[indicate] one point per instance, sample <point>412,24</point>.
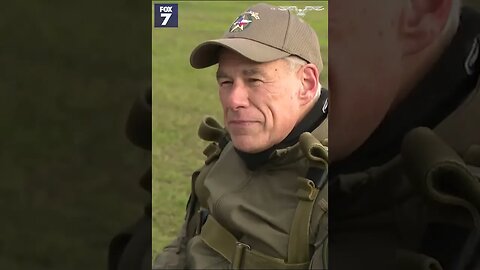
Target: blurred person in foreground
<point>260,201</point>
<point>404,135</point>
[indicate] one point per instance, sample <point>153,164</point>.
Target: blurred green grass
<point>183,95</point>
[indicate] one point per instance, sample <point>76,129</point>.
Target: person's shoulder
<point>464,121</point>
<point>321,132</point>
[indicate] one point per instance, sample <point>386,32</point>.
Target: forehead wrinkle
<point>248,71</point>
<point>252,71</point>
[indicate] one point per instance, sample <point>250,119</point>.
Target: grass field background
<point>183,95</point>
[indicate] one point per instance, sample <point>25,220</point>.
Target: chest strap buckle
<point>237,259</point>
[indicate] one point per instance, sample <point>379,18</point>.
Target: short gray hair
<point>295,62</point>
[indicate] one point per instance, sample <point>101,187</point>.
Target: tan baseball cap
<point>263,33</point>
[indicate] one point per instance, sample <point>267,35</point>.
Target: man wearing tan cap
<point>260,201</point>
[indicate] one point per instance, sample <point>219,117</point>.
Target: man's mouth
<point>241,122</point>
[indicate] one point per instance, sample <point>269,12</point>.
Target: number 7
<point>166,16</point>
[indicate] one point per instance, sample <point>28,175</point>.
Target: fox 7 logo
<point>166,15</point>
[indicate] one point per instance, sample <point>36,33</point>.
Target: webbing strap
<point>218,238</point>
<point>240,255</point>
<point>298,242</point>
<point>318,176</point>
<point>317,155</point>
<point>433,165</point>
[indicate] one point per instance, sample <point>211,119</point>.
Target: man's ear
<point>309,78</point>
<point>422,22</point>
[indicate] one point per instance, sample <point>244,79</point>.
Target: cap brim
<point>206,54</point>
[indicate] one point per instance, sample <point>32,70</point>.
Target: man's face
<point>364,69</point>
<point>260,100</point>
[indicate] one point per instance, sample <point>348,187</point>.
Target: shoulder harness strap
<point>309,190</point>
<point>209,130</point>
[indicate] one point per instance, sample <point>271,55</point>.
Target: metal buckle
<point>242,245</point>
<point>202,218</point>
<point>239,254</point>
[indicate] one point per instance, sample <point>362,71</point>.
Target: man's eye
<point>255,80</point>
<point>225,83</point>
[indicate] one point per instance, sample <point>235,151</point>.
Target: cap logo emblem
<point>243,21</point>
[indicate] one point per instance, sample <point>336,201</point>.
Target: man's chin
<point>248,145</point>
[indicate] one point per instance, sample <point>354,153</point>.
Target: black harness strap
<point>318,176</point>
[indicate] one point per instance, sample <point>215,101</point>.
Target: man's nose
<point>238,96</point>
